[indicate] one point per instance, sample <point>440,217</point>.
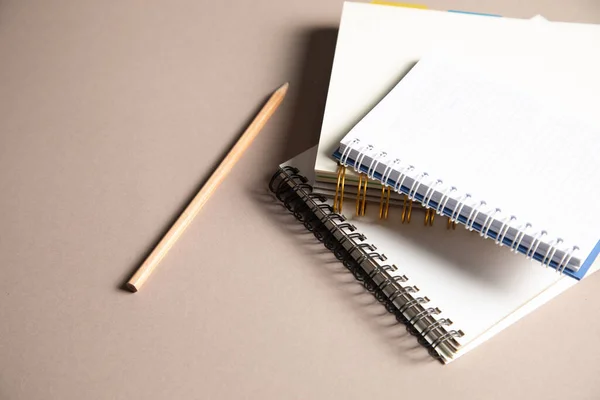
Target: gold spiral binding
<point>429,217</point>
<point>450,224</point>
<point>406,210</point>
<point>361,196</point>
<point>338,200</point>
<point>384,204</point>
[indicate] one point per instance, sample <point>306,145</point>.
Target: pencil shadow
<point>217,158</point>
<point>310,83</point>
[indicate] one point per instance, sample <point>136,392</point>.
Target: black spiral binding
<point>362,260</point>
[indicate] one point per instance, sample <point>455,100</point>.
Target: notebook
<point>452,291</point>
<point>333,186</point>
<point>474,143</point>
<point>372,54</point>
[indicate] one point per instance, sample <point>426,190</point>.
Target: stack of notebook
<point>482,131</point>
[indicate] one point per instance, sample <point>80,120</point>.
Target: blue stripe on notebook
<point>474,13</point>
<point>477,227</point>
<point>588,262</point>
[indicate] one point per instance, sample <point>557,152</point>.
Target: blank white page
<point>378,44</point>
<point>483,134</point>
<point>481,287</point>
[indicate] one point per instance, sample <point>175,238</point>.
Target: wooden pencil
<point>184,220</point>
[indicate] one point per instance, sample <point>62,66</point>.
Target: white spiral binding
<point>537,239</point>
<point>465,199</point>
<point>361,156</point>
<point>346,152</point>
<point>459,207</point>
<point>388,170</point>
<point>485,228</point>
<point>506,224</point>
<point>475,211</point>
<point>430,192</point>
<point>444,199</point>
<point>373,168</point>
<point>568,255</point>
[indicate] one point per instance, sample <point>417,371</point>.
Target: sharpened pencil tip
<point>284,87</point>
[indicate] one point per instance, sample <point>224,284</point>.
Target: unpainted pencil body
<point>184,220</point>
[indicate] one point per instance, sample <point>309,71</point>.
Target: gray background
<point>112,113</point>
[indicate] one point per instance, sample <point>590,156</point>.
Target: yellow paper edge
<point>396,4</point>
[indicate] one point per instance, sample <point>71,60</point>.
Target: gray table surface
<point>112,113</point>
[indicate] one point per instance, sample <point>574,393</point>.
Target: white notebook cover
<point>378,44</point>
<point>478,285</point>
<point>455,122</point>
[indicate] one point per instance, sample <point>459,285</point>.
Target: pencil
<point>149,265</point>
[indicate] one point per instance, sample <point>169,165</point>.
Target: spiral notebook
<point>474,146</point>
<point>377,45</point>
<point>373,54</point>
<point>339,183</point>
<point>452,291</point>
